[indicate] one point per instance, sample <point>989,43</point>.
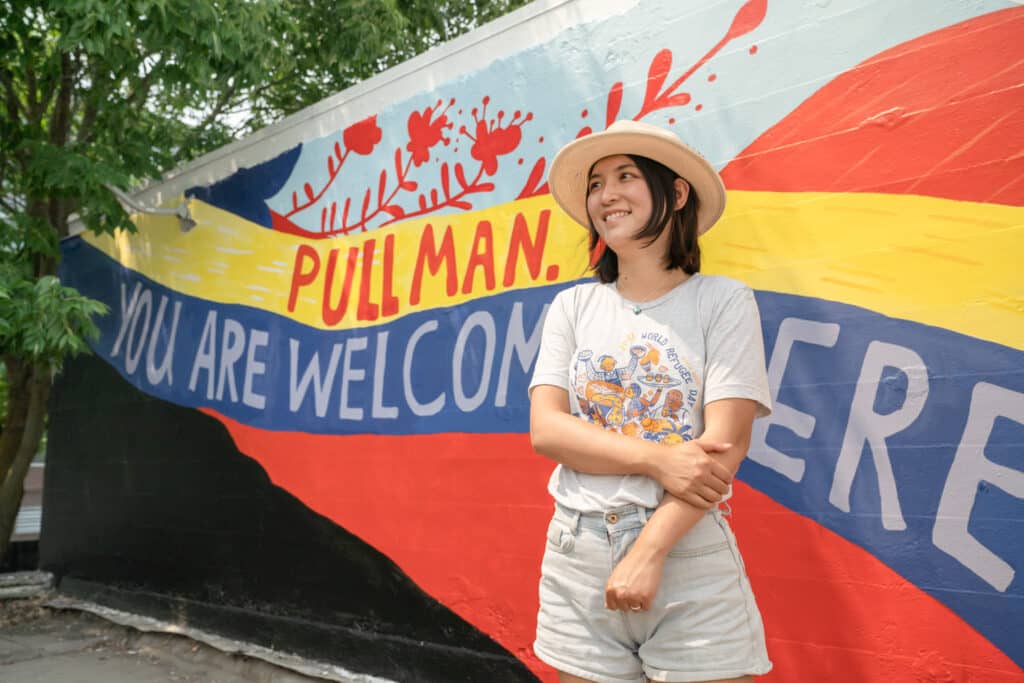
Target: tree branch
<point>60,124</point>
<point>141,91</point>
<point>15,110</point>
<point>49,89</point>
<point>135,98</point>
<point>218,109</point>
<point>6,205</point>
<point>92,110</point>
<point>35,115</point>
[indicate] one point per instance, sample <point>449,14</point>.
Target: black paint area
<point>150,508</point>
<point>244,192</point>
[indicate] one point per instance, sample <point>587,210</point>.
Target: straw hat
<point>568,179</point>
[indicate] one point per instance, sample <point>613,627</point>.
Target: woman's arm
<point>686,471</point>
<point>634,581</point>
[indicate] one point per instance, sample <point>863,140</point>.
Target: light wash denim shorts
<point>703,624</point>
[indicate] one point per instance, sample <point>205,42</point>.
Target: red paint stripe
<point>464,516</point>
<point>940,116</point>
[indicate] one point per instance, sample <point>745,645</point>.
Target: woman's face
<point>618,201</point>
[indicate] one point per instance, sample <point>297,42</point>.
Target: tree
<point>97,92</point>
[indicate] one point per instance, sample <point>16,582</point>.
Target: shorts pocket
<point>683,550</point>
<point>560,539</point>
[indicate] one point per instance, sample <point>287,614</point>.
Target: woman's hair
<point>683,250</point>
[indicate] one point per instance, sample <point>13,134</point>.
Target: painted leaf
<point>614,104</point>
<point>656,75</point>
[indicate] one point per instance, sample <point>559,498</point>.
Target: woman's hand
<point>691,473</point>
<point>634,581</point>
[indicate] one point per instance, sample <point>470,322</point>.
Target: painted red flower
<point>494,139</point>
<point>361,137</point>
<point>424,133</point>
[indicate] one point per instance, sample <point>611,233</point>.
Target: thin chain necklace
<point>638,309</point>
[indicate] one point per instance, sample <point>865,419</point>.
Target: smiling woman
<point>648,438</point>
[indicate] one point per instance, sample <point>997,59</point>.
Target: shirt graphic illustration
<point>646,390</point>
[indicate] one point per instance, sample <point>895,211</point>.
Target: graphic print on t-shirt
<point>644,388</point>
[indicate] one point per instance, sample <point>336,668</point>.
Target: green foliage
<point>119,91</point>
<point>42,321</point>
<point>3,396</point>
<point>334,45</point>
<point>97,92</point>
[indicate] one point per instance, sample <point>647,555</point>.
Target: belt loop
<point>645,514</point>
<point>571,516</point>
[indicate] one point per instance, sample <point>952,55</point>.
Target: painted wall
<point>361,302</point>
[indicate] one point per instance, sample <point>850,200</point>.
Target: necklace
<point>638,309</point>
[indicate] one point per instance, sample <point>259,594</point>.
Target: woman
<point>641,577</point>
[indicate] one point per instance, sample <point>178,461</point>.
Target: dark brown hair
<point>683,250</point>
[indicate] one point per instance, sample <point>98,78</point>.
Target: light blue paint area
<point>801,46</point>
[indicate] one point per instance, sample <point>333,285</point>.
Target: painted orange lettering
<point>388,301</point>
<point>433,257</point>
<point>532,250</point>
<point>367,309</point>
<point>333,314</point>
<point>301,277</point>
<point>481,256</point>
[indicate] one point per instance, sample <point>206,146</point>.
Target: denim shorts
<point>703,624</point>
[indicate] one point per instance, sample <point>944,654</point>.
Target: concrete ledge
<point>307,667</point>
<point>25,584</point>
<point>302,645</point>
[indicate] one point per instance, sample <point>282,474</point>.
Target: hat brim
<point>568,178</point>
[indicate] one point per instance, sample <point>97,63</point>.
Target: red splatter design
<point>535,184</point>
<point>363,136</point>
<point>424,133</point>
<point>493,139</point>
<point>749,17</point>
<point>614,104</point>
<point>426,130</point>
<point>657,96</point>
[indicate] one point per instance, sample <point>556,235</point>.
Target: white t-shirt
<point>648,374</point>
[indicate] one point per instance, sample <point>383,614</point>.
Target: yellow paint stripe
<point>228,259</point>
<point>941,262</point>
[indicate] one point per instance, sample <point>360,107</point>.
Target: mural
<point>361,313</point>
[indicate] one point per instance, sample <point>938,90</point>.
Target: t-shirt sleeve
<point>557,344</point>
<point>735,353</point>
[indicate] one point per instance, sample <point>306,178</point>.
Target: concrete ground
<point>41,644</point>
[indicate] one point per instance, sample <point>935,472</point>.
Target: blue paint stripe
<point>430,369</point>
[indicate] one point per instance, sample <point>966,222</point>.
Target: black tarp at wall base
<point>150,508</point>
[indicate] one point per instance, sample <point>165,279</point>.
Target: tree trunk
<point>20,439</point>
<point>17,412</point>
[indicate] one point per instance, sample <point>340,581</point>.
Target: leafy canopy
<point>97,92</point>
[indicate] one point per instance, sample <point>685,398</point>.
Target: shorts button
<point>611,518</point>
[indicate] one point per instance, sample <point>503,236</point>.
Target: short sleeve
<point>735,352</point>
<point>557,344</point>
